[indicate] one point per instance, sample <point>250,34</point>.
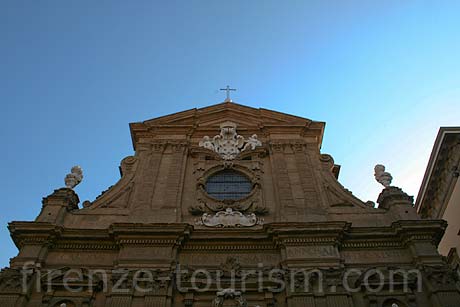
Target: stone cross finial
<point>228,89</point>
<point>74,178</point>
<point>382,177</point>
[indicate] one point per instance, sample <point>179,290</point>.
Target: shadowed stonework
<point>228,206</point>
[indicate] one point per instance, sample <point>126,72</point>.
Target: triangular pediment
<point>201,121</point>
<point>212,115</point>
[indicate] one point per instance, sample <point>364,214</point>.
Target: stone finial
<point>74,178</point>
<point>382,177</point>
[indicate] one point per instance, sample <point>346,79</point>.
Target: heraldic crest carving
<point>229,218</point>
<point>228,144</point>
<point>229,294</point>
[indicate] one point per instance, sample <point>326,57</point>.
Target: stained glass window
<point>228,185</point>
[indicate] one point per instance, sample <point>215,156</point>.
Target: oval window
<point>228,185</point>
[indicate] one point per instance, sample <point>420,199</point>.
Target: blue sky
<point>383,75</point>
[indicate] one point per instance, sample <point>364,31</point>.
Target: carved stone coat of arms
<point>228,144</point>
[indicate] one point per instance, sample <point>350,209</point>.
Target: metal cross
<point>228,89</point>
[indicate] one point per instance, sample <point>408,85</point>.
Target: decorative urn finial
<point>382,177</point>
<point>74,178</point>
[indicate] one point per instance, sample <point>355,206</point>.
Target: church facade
<point>228,205</point>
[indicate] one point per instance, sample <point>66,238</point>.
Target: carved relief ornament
<point>228,144</point>
<point>229,294</point>
<point>252,203</point>
<point>229,218</point>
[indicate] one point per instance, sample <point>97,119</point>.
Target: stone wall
<point>299,238</point>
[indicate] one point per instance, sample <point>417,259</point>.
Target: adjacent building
<point>439,195</point>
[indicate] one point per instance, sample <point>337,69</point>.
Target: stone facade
<point>298,238</point>
<point>439,195</point>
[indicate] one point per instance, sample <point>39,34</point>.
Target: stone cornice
<point>85,245</point>
<point>300,234</point>
<point>307,229</point>
<point>270,237</point>
<point>228,239</point>
<point>257,246</point>
<point>420,230</point>
<point>150,234</point>
<point>371,244</point>
<point>150,228</point>
<point>397,235</point>
<point>33,233</point>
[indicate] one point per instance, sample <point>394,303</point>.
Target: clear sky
<point>383,75</point>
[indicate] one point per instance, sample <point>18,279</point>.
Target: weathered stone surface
<point>137,244</point>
